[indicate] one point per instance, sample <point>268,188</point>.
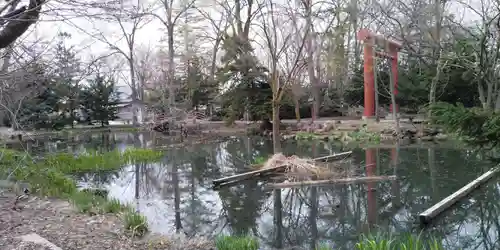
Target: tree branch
<point>18,24</point>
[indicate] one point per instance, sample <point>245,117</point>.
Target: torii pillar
<point>391,49</point>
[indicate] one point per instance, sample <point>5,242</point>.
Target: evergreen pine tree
<point>101,99</point>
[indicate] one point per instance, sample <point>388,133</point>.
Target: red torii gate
<point>391,48</point>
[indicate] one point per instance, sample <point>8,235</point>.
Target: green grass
<point>323,247</point>
<point>113,206</point>
<point>96,161</point>
<point>50,177</point>
<point>135,223</point>
<point>259,160</point>
<point>88,203</point>
<point>372,242</point>
<point>363,135</point>
<point>301,135</point>
<point>408,242</point>
<point>236,243</point>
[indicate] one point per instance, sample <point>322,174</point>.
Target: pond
<point>176,194</point>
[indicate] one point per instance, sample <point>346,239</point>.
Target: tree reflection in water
<point>176,193</point>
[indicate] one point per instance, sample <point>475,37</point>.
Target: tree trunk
<point>482,97</point>
<point>5,67</point>
<point>171,69</point>
<point>213,66</point>
<point>375,83</point>
<point>497,102</point>
<point>18,21</point>
<point>310,61</point>
<point>133,86</point>
<point>393,102</point>
<point>435,81</point>
<point>71,114</point>
<point>436,52</point>
<point>13,123</point>
<point>276,128</point>
<point>297,110</point>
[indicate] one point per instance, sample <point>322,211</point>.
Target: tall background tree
<point>101,99</point>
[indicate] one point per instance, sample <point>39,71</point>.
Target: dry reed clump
<point>296,168</point>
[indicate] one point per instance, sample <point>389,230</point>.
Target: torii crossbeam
<point>391,48</point>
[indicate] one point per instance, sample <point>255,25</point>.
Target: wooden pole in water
<point>353,180</point>
<point>441,206</point>
<point>333,157</point>
<point>246,175</point>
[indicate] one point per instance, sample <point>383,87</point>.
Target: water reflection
<point>81,142</point>
<point>176,194</point>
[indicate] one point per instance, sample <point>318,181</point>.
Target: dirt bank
<point>57,221</point>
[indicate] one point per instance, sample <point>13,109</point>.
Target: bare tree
<point>485,39</point>
<point>277,39</point>
<point>23,82</point>
<point>130,20</point>
<point>216,35</point>
<point>313,78</point>
<point>14,24</point>
<point>144,67</point>
<point>297,93</point>
<point>169,19</point>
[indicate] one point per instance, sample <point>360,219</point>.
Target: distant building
<point>125,111</point>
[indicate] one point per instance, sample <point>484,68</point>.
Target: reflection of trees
<point>307,216</point>
<point>313,214</point>
<point>310,215</point>
<point>185,175</point>
<point>428,175</point>
<point>278,219</point>
<point>243,202</point>
<point>474,223</point>
<point>342,209</point>
<point>102,141</point>
<point>98,178</point>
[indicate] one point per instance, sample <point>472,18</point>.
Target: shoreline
<point>61,224</point>
<point>327,129</point>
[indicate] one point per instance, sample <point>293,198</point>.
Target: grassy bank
<point>351,136</point>
<point>379,242</point>
<point>388,242</point>
<point>89,129</point>
<point>50,177</point>
<point>236,243</point>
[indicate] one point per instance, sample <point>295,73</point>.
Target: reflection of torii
<point>391,48</point>
<point>372,163</point>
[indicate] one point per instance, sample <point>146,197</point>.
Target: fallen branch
<point>330,182</point>
<point>333,157</point>
<point>266,170</point>
<point>244,176</point>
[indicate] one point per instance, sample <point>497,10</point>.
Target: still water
<point>176,195</point>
